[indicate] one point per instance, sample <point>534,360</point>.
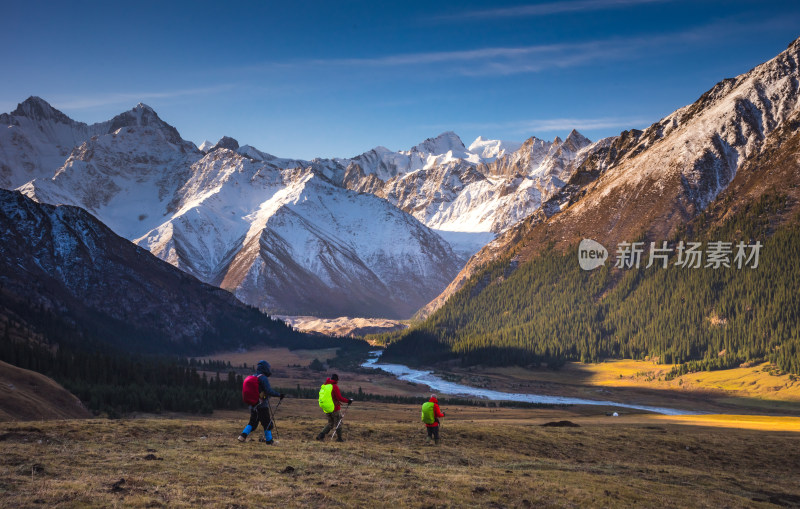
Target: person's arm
<point>337,395</point>
<point>266,388</point>
<point>437,411</point>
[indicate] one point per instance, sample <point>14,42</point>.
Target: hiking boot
<point>272,442</point>
<point>339,439</point>
<point>321,436</point>
<point>242,438</point>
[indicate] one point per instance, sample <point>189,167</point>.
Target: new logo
<point>591,254</point>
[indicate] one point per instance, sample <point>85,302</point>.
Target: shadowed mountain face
<point>59,261</point>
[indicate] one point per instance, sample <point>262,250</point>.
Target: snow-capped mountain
<point>489,150</point>
<point>671,171</point>
<point>290,241</point>
<point>385,164</point>
<point>328,236</point>
<point>653,181</point>
<point>127,178</point>
<point>469,196</point>
<point>489,197</point>
<point>36,139</point>
<point>275,232</point>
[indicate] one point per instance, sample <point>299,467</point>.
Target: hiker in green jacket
<point>330,399</point>
<point>430,416</point>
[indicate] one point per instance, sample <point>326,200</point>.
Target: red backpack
<point>251,390</point>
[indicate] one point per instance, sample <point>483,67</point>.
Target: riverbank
<point>750,389</point>
<point>639,384</point>
<point>439,384</point>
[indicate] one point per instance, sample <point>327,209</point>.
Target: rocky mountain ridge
<point>223,214</point>
<point>651,182</point>
<point>61,267</point>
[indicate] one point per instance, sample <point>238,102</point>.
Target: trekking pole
<point>272,415</point>
<point>341,418</point>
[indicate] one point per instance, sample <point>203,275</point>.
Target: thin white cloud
<point>529,127</point>
<point>581,124</point>
<point>548,9</point>
<point>503,61</point>
<point>489,61</point>
<point>109,99</point>
<point>437,57</point>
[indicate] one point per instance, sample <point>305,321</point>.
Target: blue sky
<point>333,79</point>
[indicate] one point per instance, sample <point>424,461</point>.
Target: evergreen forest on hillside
<point>112,379</point>
<point>549,310</point>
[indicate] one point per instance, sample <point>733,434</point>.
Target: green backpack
<point>326,398</point>
<point>427,413</point>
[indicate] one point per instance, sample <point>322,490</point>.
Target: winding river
<point>444,387</point>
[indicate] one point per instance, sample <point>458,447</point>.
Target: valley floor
<point>754,389</point>
<point>751,390</point>
<point>488,458</point>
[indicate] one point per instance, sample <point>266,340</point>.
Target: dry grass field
<point>488,458</point>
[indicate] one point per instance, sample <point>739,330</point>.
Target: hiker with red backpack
<point>330,399</point>
<point>430,416</point>
<point>255,393</point>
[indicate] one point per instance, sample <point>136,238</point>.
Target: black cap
<point>335,377</point>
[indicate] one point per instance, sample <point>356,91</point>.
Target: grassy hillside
<point>488,458</point>
<point>26,395</point>
<point>549,310</point>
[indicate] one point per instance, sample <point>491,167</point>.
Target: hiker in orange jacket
<point>433,428</point>
<point>335,417</point>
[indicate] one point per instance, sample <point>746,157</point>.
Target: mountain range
<point>387,233</point>
<point>724,169</point>
<point>652,182</point>
<point>66,278</point>
<point>380,234</point>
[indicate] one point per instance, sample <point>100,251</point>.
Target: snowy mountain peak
<point>140,115</point>
<point>489,150</point>
<point>442,144</point>
<point>576,141</point>
<point>144,116</point>
<point>205,146</point>
<point>534,141</point>
<point>36,108</point>
<point>226,142</point>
